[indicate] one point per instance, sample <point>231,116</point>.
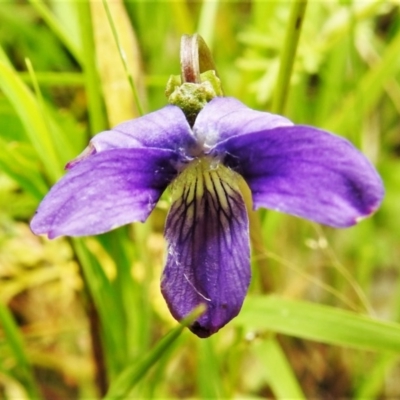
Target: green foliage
<point>85,318</point>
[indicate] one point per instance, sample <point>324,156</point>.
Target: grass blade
<point>107,305</point>
<point>15,341</point>
<point>17,160</point>
<point>280,375</point>
<point>368,91</point>
<point>30,114</point>
<point>57,28</point>
<point>371,386</point>
<point>314,322</point>
<point>126,381</point>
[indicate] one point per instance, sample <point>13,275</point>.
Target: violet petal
<point>306,172</point>
<point>104,191</point>
<point>224,117</point>
<point>208,247</point>
<point>163,129</point>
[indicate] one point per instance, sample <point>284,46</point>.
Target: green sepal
<point>192,97</point>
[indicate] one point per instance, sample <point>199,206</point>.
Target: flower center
<point>204,174</point>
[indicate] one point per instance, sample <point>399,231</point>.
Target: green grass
<point>85,318</point>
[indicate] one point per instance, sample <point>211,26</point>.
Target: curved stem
<point>196,58</point>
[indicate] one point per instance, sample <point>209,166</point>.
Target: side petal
<point>224,117</point>
<point>105,191</point>
<point>208,247</point>
<point>165,129</point>
<point>306,172</point>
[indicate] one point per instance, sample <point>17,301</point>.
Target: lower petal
<point>208,258</point>
<point>104,191</point>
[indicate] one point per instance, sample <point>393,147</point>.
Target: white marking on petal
<point>194,288</point>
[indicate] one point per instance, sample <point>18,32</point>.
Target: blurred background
<point>322,317</point>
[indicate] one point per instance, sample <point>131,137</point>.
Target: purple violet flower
<point>295,169</point>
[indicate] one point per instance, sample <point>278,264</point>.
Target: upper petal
<point>306,172</point>
<point>208,247</point>
<point>105,191</point>
<point>166,128</point>
<point>224,117</point>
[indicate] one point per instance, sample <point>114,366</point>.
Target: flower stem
<point>288,54</point>
<point>196,58</point>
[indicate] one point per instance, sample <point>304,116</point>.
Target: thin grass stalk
<point>49,78</point>
<point>97,118</point>
<point>123,59</point>
<point>288,54</point>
